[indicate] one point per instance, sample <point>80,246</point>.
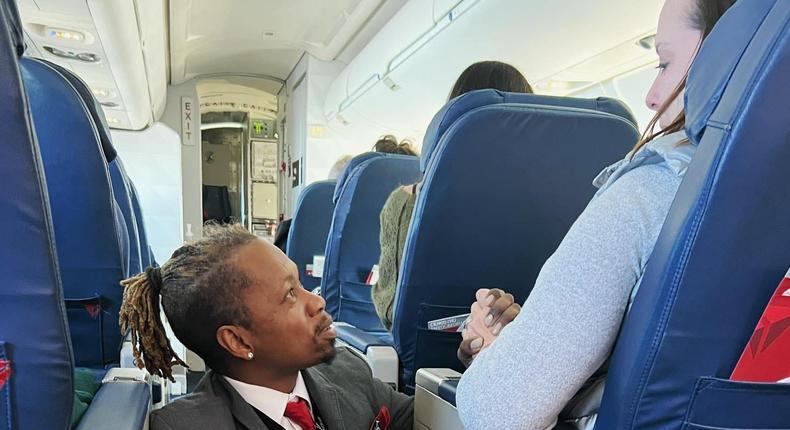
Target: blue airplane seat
<point>148,258</point>
<point>36,361</point>
<point>89,226</point>
<point>352,247</point>
<point>725,245</point>
<point>505,176</point>
<point>352,164</point>
<point>123,197</point>
<point>118,176</point>
<point>35,353</point>
<point>310,228</point>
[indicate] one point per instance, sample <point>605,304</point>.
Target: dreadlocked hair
<point>200,291</point>
<point>139,315</point>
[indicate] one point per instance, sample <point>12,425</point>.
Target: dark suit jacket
<point>344,392</point>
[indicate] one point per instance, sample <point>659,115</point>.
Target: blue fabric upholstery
<point>352,246</point>
<point>459,106</point>
<point>724,247</point>
<point>310,228</point>
<point>94,109</point>
<point>356,161</point>
<point>13,25</point>
<point>123,198</point>
<point>88,224</point>
<point>33,329</point>
<point>118,406</point>
<point>147,254</point>
<point>359,339</point>
<point>503,186</point>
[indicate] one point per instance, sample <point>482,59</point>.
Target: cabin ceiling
<point>263,37</point>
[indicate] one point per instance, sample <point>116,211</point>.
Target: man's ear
<point>234,340</point>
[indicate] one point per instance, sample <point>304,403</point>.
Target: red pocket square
<point>382,421</point>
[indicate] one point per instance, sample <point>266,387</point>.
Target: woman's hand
<point>491,312</point>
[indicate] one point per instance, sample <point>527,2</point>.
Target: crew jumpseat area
<point>309,230</point>
<point>505,176</point>
<point>63,255</point>
<point>723,249</point>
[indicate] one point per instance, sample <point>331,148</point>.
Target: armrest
<point>447,390</point>
<point>377,352</point>
<point>357,338</point>
<point>118,406</point>
<point>434,399</point>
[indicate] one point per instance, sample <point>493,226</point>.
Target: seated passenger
<point>553,357</point>
<point>397,211</point>
<point>236,301</point>
<point>389,145</point>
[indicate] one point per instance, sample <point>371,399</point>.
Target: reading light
<point>61,34</point>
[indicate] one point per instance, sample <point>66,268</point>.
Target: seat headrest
<point>459,106</point>
<point>15,26</point>
<point>718,57</point>
<point>94,109</point>
<point>356,161</point>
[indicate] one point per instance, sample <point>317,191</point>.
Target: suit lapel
<point>241,410</point>
<point>324,395</point>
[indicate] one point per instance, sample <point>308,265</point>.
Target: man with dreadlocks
<point>236,301</point>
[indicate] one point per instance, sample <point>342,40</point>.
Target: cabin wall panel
<point>152,158</point>
<point>191,159</point>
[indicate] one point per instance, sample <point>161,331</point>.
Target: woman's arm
<point>569,323</point>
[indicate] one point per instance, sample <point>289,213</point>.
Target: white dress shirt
<point>272,402</point>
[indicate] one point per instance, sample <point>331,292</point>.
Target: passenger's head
<point>490,75</point>
<point>339,166</point>
<point>389,145</point>
<point>233,299</point>
<point>682,27</point>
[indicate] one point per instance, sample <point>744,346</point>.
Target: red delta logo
<point>765,357</point>
<point>5,372</point>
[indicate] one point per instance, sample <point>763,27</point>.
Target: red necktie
<point>299,413</point>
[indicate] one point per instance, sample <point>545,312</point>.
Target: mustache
<point>326,321</point>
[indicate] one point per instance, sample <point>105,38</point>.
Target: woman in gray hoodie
<point>552,358</point>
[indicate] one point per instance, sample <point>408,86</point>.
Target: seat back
<point>724,247</point>
<point>123,198</point>
<point>310,228</point>
<point>146,252</point>
<point>35,352</point>
<point>88,225</point>
<point>118,176</point>
<point>352,247</point>
<point>505,177</point>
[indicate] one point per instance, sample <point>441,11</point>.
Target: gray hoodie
<point>549,365</point>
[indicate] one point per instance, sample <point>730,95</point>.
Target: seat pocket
<point>723,404</point>
<point>356,306</point>
<point>437,348</point>
<point>86,325</point>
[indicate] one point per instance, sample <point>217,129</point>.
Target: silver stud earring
<point>250,355</point>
